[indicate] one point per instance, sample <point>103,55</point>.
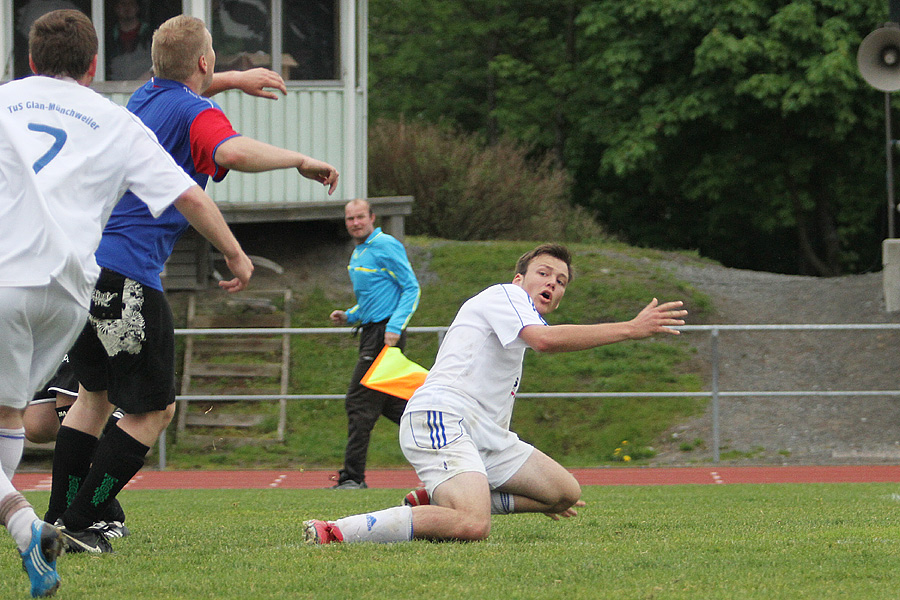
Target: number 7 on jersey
<point>58,135</point>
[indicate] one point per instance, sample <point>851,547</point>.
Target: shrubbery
<point>465,190</point>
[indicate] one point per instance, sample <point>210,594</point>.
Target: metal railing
<point>714,393</point>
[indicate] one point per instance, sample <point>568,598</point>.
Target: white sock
<point>19,527</point>
<point>383,526</point>
<point>502,503</point>
<point>12,442</point>
<point>18,515</point>
<point>15,512</point>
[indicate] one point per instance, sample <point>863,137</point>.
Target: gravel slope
<point>796,430</point>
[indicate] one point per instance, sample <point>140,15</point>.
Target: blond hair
<point>177,45</point>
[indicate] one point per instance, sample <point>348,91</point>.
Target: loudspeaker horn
<point>878,58</point>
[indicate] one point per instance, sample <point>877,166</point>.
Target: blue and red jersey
<point>191,128</point>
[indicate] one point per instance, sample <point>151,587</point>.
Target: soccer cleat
<point>39,559</point>
<point>89,540</point>
<point>417,497</point>
<point>111,529</point>
<point>113,512</point>
<point>321,532</point>
<point>350,485</point>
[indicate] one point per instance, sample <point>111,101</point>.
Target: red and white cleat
<point>417,497</point>
<point>321,532</point>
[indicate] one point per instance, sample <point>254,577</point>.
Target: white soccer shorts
<point>37,326</point>
<point>440,445</point>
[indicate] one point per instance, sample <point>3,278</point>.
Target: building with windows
<point>319,47</point>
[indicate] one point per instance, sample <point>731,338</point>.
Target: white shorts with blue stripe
<point>441,445</point>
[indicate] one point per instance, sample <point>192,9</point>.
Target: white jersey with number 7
<point>67,154</point>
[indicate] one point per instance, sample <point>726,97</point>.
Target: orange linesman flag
<point>394,374</point>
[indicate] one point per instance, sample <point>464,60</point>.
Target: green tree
<point>737,127</point>
<point>483,65</point>
<point>741,128</point>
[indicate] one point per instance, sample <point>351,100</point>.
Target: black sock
<point>112,420</point>
<point>71,463</point>
<point>113,512</point>
<point>117,459</point>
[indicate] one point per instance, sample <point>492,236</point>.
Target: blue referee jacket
<point>384,283</point>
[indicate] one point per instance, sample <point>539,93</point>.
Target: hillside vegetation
<point>612,282</point>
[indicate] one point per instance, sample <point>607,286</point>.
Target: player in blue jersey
<point>387,295</point>
<point>125,356</point>
<point>66,156</point>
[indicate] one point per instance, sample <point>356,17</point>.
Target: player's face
<point>359,220</point>
<point>545,281</point>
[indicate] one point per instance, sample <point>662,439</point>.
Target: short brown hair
<point>555,250</point>
<point>177,45</point>
<point>361,201</point>
<point>62,43</point>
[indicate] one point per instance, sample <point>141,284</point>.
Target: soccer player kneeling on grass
<point>455,430</point>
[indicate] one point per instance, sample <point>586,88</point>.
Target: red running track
<point>406,478</point>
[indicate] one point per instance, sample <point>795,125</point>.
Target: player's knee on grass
<point>473,529</point>
<point>464,526</point>
<point>41,434</point>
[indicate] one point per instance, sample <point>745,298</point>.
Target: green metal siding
<point>310,121</point>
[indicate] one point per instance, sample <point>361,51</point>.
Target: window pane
<point>26,12</point>
<point>311,39</point>
<point>129,33</point>
<point>241,31</point>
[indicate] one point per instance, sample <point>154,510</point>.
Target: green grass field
<point>814,541</point>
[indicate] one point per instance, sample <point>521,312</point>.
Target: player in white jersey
<point>455,430</point>
<point>66,156</point>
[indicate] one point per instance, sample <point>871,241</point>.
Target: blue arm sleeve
<point>409,288</point>
<point>352,314</point>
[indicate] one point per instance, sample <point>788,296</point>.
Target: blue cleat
<point>39,560</point>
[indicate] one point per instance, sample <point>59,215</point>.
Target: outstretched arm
<point>654,318</point>
<point>243,153</point>
<point>255,82</point>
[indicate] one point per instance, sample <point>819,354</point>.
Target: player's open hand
<point>568,513</point>
<point>658,318</point>
<point>321,172</point>
<point>260,81</point>
<point>242,267</point>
